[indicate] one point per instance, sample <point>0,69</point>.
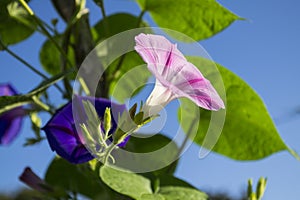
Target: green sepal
<point>139,118</point>
<point>107,121</point>
<point>261,187</point>
<point>132,111</point>
<point>249,189</point>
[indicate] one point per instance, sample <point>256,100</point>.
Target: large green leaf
<point>169,180</point>
<point>51,58</point>
<point>179,193</point>
<point>199,19</point>
<point>76,178</point>
<point>115,24</point>
<point>151,197</point>
<point>248,132</point>
<point>16,24</point>
<point>125,182</point>
<point>144,153</point>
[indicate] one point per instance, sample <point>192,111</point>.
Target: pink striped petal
<point>179,77</point>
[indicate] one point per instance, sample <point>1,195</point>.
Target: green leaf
<point>179,193</point>
<point>115,24</point>
<point>169,180</point>
<point>145,153</point>
<point>151,197</point>
<point>16,24</point>
<point>76,178</point>
<point>248,133</point>
<point>10,102</point>
<point>125,182</point>
<point>124,84</point>
<point>51,58</point>
<point>198,19</point>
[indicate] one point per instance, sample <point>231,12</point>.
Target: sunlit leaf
<point>151,197</point>
<point>124,182</point>
<point>249,132</point>
<point>199,19</point>
<point>169,180</point>
<point>179,193</point>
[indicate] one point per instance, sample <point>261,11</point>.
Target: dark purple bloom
<point>10,121</point>
<point>63,132</point>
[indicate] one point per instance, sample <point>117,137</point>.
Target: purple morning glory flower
<point>10,121</point>
<point>67,139</point>
<point>175,76</point>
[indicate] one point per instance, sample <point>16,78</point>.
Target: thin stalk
<point>104,18</point>
<point>49,36</point>
<point>140,18</point>
<point>101,5</point>
<point>84,86</point>
<point>41,25</point>
<point>38,102</point>
<point>108,153</point>
<point>27,64</point>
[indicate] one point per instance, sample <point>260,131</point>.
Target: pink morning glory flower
<point>175,76</point>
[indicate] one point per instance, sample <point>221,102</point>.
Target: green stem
<point>27,64</point>
<point>106,26</point>
<point>140,18</point>
<point>41,25</point>
<point>84,86</point>
<point>108,153</point>
<point>294,153</point>
<point>38,102</point>
<point>101,5</point>
<point>49,36</point>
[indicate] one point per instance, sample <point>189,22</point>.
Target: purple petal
<point>10,121</point>
<point>61,131</point>
<point>174,72</point>
<point>7,89</point>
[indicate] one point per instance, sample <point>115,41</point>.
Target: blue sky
<point>263,50</point>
